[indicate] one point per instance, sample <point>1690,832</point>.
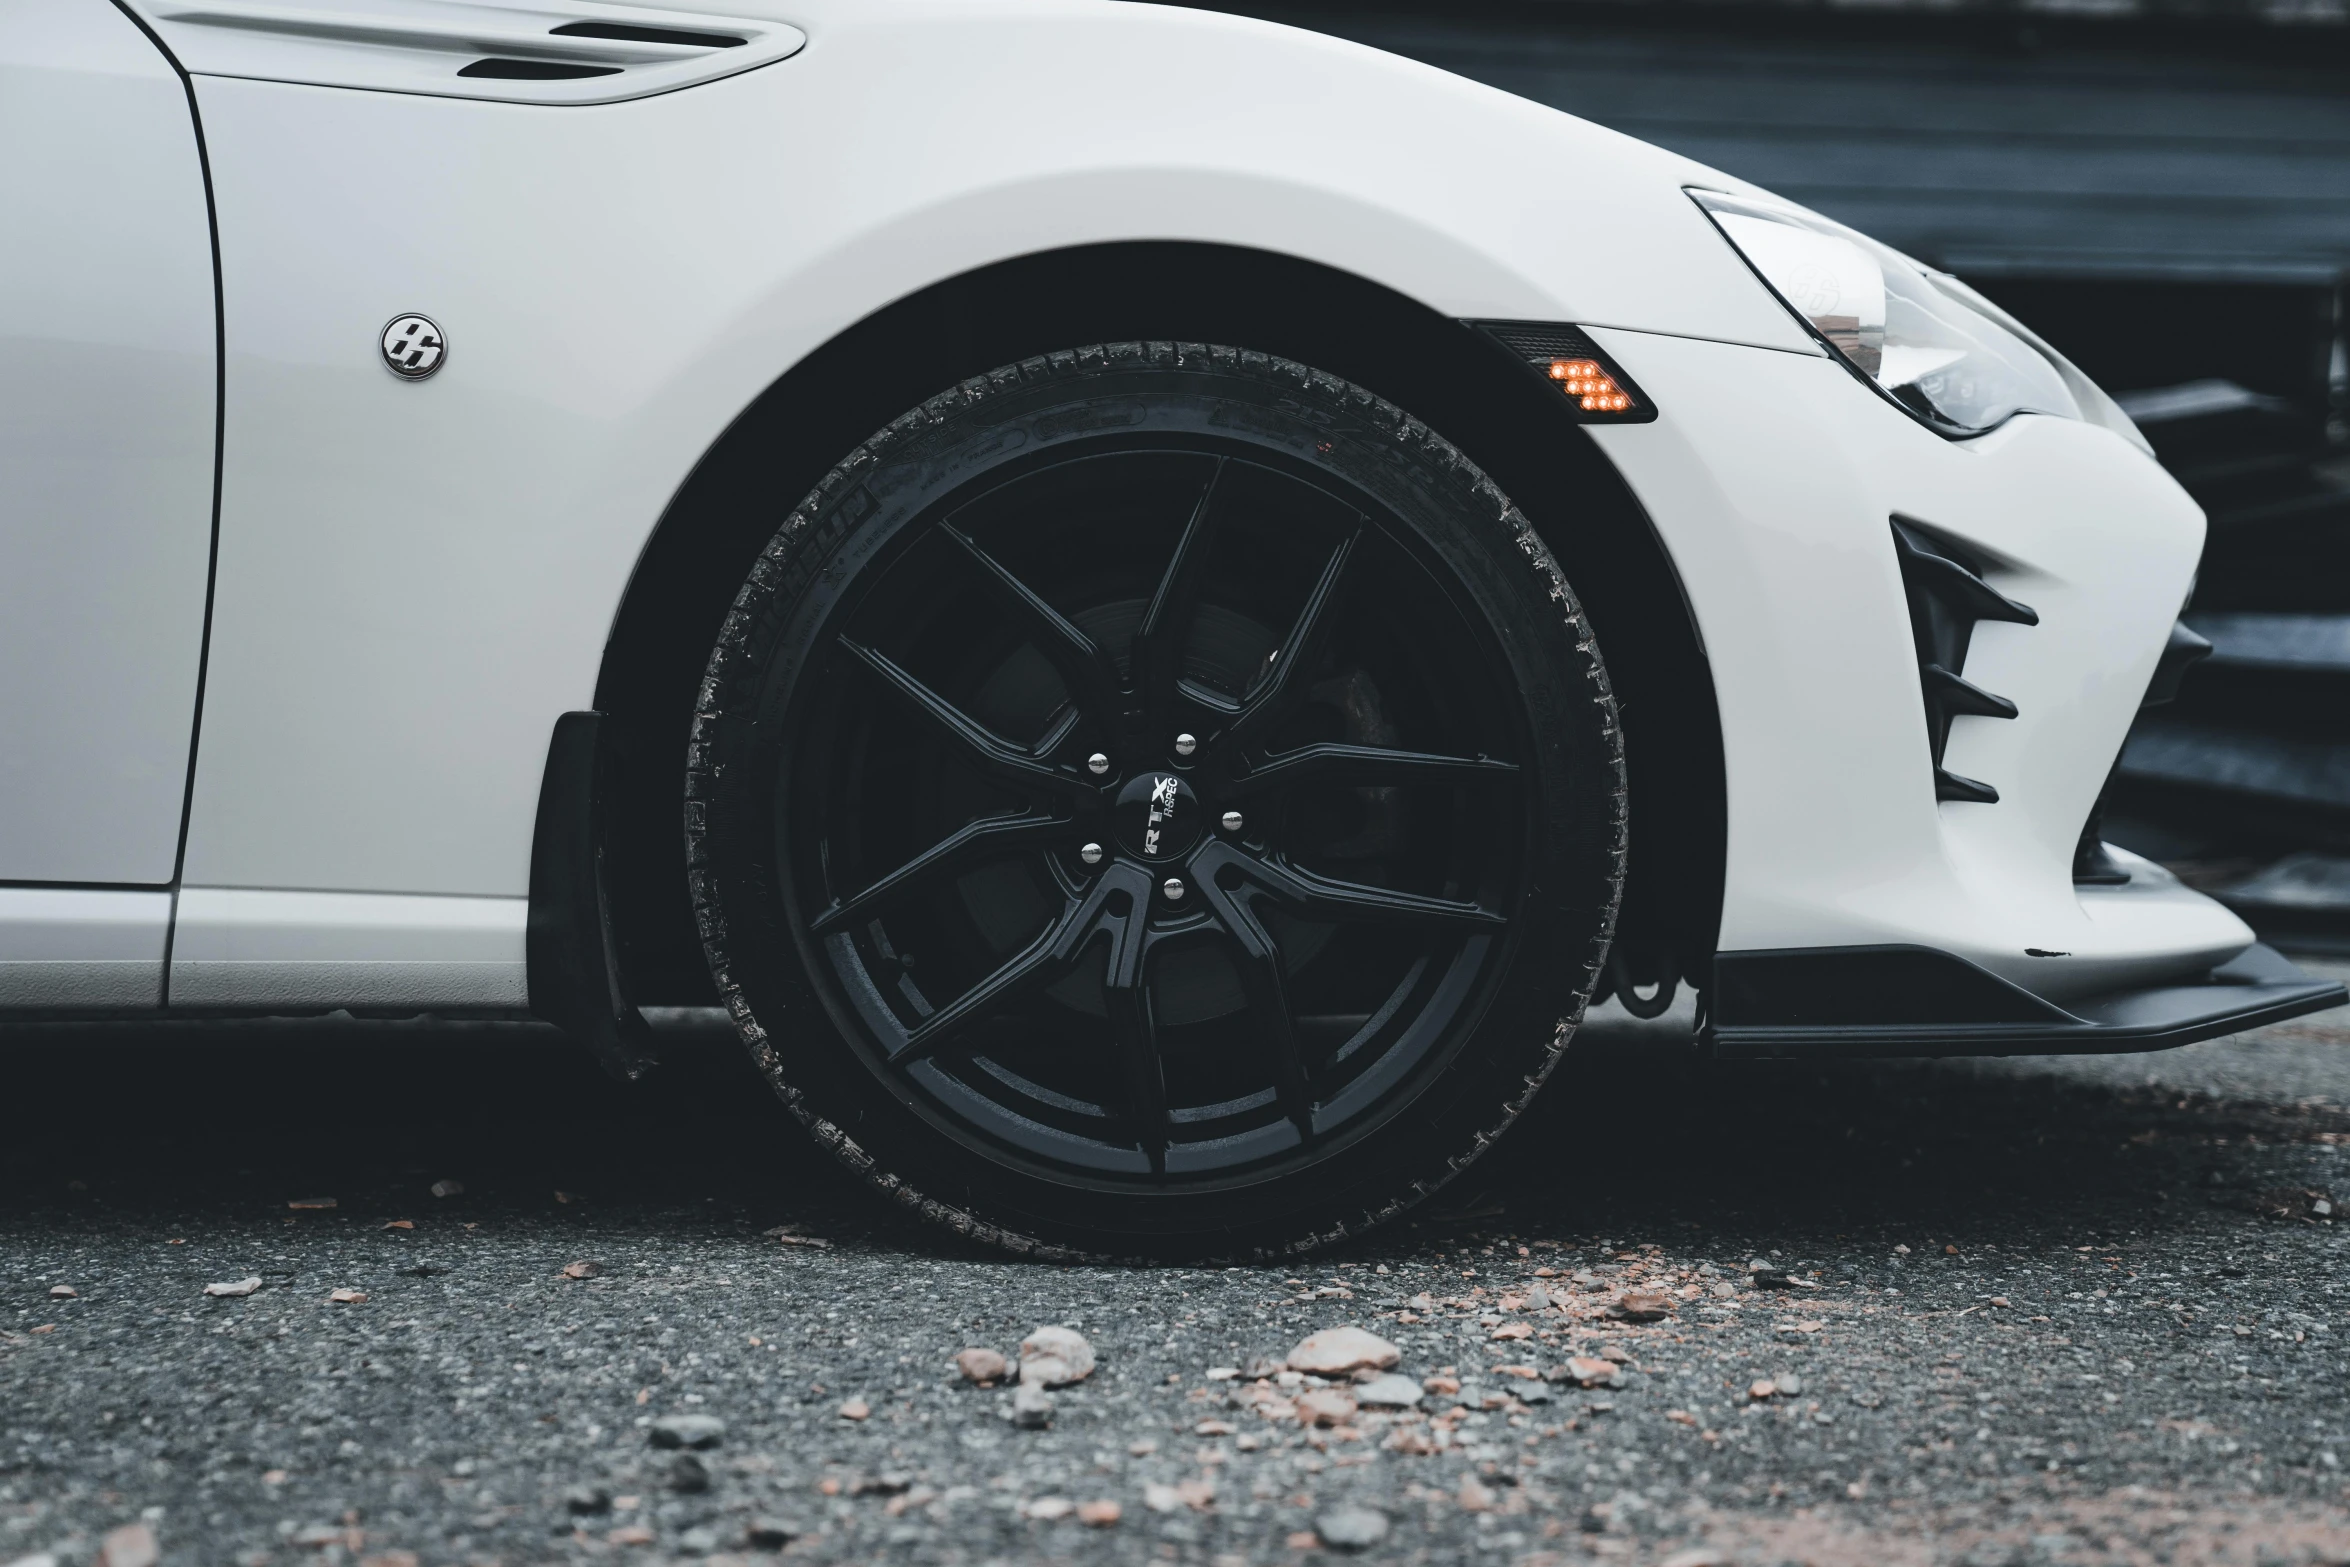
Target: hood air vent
<point>516,51</point>
<point>1947,595</point>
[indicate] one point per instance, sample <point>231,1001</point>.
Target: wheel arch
<point>1506,420</point>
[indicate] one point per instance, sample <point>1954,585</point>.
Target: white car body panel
<point>80,947</point>
<point>415,579</point>
<point>107,428</point>
<point>236,947</point>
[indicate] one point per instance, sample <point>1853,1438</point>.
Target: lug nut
<point>1186,744</point>
<point>1232,821</point>
<point>1091,854</point>
<point>1097,764</point>
<point>1173,888</point>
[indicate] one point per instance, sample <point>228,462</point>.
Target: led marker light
<point>1589,385</point>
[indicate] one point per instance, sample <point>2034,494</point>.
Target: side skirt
<point>1855,1002</point>
<point>573,963</point>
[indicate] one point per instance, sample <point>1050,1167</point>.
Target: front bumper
<point>1774,480</point>
<point>1911,1001</point>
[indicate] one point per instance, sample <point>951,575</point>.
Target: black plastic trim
<point>571,959</point>
<point>2185,649</point>
<point>1917,1001</point>
<point>639,33</point>
<point>1947,595</point>
<point>499,68</point>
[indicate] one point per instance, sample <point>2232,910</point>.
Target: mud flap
<point>574,968</point>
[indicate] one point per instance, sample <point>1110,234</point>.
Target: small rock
<point>132,1545</point>
<point>1392,1391</point>
<point>445,1188</point>
<point>1261,1367</point>
<point>1768,1276</point>
<point>586,1499</point>
<point>855,1409</point>
<point>312,1202</point>
<point>700,1540</point>
<point>1696,1556</point>
<point>1440,1384</point>
<point>1589,1371</point>
<point>581,1270</point>
<point>64,1292</point>
<point>773,1534</point>
<point>1324,1406</point>
<point>630,1534</point>
<point>1212,1428</point>
<point>1790,1384</point>
<point>790,1236</point>
<point>688,1473</point>
<point>349,1297</point>
<point>2293,1202</point>
<point>399,1224</point>
<point>1537,1299</point>
<point>238,1290</point>
<point>983,1366</point>
<point>1761,1388</point>
<point>1050,1508</point>
<point>1351,1528</point>
<point>688,1431</point>
<point>1099,1515</point>
<point>1161,1498</point>
<point>1055,1357</point>
<point>1334,1352</point>
<point>1222,1373</point>
<point>1642,1306</point>
<point>1032,1407</point>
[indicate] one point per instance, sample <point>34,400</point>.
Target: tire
<point>979,915</point>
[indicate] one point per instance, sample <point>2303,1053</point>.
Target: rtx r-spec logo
<point>1162,811</point>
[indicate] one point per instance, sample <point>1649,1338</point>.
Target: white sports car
<point>1155,604</point>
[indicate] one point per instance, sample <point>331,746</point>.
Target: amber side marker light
<point>1589,385</point>
<point>1596,389</point>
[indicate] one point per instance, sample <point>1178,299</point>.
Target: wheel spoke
<point>1339,902</point>
<point>1158,641</point>
<point>981,747</point>
<point>1285,685</point>
<point>1366,765</point>
<point>1053,952</point>
<point>1258,959</point>
<point>1133,1029</point>
<point>966,845</point>
<point>1081,662</point>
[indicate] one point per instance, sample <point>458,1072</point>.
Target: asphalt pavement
<point>2010,1312</point>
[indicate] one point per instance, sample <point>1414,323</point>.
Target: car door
<point>109,383</point>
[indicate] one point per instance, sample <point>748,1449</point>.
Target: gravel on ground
<point>1986,1313</point>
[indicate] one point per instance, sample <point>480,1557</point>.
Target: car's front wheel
<point>1156,798</point>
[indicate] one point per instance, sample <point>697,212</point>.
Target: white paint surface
<point>107,344</point>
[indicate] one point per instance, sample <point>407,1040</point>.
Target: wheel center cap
<point>1158,816</point>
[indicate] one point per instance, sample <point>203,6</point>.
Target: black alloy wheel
<point>1156,798</point>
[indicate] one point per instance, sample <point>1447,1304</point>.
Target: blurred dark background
<point>2163,191</point>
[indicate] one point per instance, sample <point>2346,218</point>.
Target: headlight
<point>1923,338</point>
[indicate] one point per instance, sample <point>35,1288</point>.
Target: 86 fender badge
<point>414,347</point>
